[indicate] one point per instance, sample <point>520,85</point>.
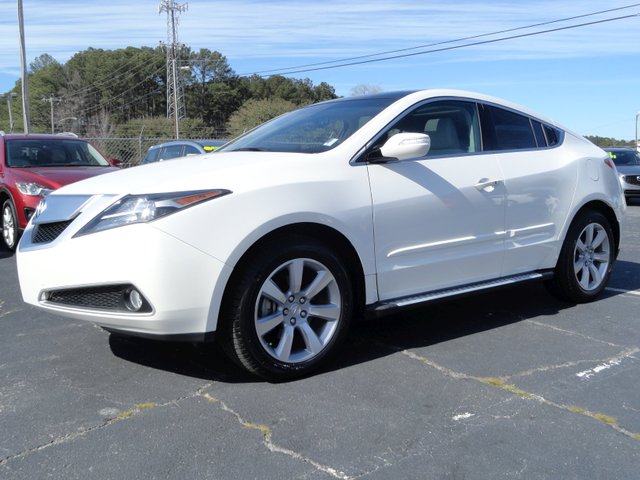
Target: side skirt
<point>388,307</point>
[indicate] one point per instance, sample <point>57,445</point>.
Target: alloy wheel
<point>297,310</point>
<point>8,226</point>
<point>592,256</point>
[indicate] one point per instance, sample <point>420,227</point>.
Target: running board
<point>388,306</point>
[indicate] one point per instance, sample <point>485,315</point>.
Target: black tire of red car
<point>586,259</point>
<point>9,224</point>
<point>272,317</point>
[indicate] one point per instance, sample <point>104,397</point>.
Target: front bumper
<point>177,280</point>
<point>630,185</point>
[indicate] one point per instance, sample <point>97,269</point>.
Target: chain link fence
<point>130,151</point>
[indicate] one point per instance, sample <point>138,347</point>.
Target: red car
<point>31,166</point>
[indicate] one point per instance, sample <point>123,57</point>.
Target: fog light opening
<point>134,300</point>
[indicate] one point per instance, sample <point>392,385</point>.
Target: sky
<point>587,78</point>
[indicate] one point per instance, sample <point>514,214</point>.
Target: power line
<point>121,94</point>
<point>359,59</point>
<point>84,91</point>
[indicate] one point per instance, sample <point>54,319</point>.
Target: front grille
<point>632,179</point>
<point>48,232</point>
<point>109,297</point>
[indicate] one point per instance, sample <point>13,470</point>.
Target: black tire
<point>586,259</point>
<point>9,225</point>
<point>296,340</point>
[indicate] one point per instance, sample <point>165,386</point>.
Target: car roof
<point>201,143</point>
<point>40,136</point>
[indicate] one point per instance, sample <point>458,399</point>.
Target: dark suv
<point>31,166</point>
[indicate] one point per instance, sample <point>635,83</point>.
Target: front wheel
<point>288,310</point>
<point>586,259</point>
<point>10,230</point>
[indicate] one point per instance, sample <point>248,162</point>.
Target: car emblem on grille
<point>42,206</point>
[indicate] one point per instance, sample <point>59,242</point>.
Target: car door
<point>540,181</point>
<point>438,220</point>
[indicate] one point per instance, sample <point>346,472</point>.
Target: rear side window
<point>506,130</point>
<point>171,151</point>
<point>538,131</point>
<point>191,150</point>
<point>552,134</point>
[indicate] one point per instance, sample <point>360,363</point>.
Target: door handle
<point>487,185</point>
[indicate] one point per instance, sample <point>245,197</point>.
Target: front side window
<point>152,156</point>
<point>452,126</point>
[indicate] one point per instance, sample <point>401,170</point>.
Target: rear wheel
<point>288,310</point>
<point>586,259</point>
<point>9,225</point>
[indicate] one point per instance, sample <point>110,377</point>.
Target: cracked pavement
<point>509,384</point>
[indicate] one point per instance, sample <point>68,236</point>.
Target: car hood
<point>233,171</point>
<point>56,177</point>
<point>629,169</point>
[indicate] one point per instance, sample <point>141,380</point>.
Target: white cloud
<point>332,29</point>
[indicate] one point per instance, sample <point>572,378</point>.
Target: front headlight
<point>33,189</point>
<point>146,208</point>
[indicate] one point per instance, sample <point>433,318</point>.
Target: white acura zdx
<point>350,207</point>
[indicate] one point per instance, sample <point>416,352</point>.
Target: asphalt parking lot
<point>509,384</point>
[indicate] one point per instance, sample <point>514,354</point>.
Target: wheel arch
<point>327,235</point>
<point>4,195</point>
<point>608,212</point>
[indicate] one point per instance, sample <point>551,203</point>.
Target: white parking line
<point>619,290</point>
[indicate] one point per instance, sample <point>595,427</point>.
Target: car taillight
<point>610,163</point>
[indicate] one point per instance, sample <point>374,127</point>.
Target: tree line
<point>122,92</point>
<point>605,142</point>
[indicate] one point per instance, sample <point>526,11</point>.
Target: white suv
<point>356,206</point>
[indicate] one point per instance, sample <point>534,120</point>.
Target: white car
<point>346,208</point>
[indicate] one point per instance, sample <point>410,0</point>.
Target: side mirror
<point>115,162</point>
<point>406,145</point>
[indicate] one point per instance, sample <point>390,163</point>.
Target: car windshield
<point>625,157</point>
<point>313,129</point>
<point>53,153</point>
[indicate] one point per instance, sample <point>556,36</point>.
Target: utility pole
<point>10,96</point>
<point>25,86</point>
<point>175,97</point>
<point>51,99</point>
<point>637,144</point>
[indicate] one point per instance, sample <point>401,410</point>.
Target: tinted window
<point>539,133</point>
<point>52,153</point>
<point>313,129</point>
<point>191,150</point>
<point>552,134</point>
<point>506,130</point>
<point>452,126</point>
<point>172,151</point>
<point>625,157</point>
<point>152,156</point>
